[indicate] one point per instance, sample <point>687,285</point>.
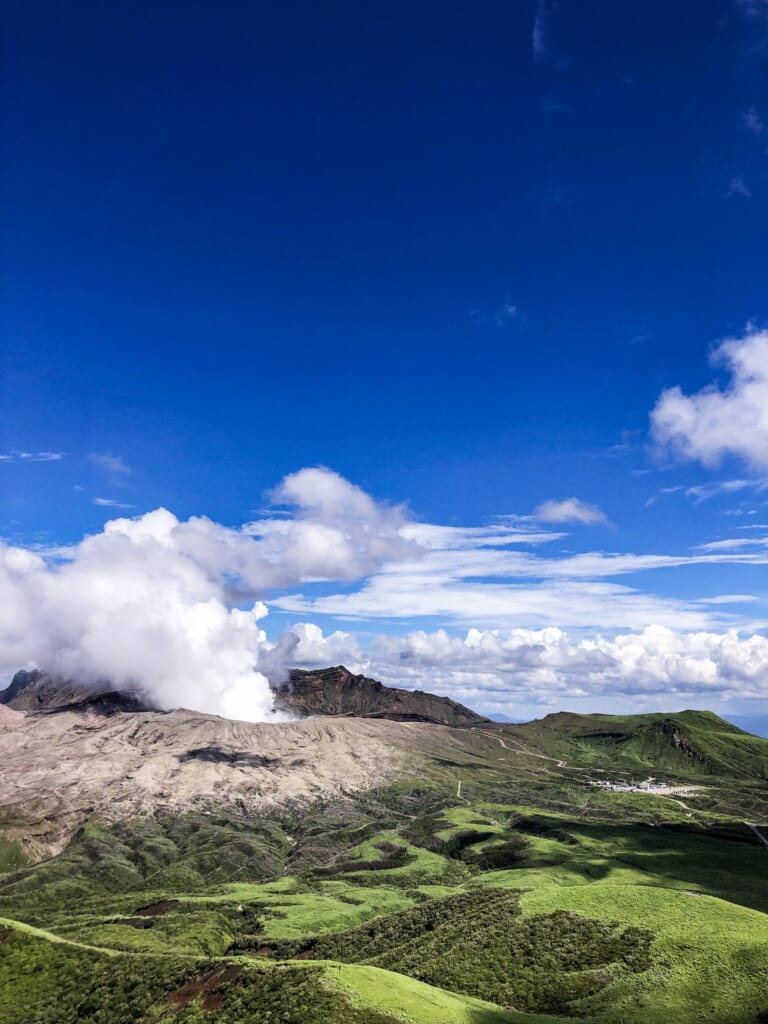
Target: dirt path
<point>518,749</point>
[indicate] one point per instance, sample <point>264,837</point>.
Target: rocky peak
<point>337,691</point>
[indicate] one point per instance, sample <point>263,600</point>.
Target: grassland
<point>530,895</point>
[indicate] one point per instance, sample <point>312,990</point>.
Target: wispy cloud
<point>110,463</point>
<point>461,578</point>
<point>31,456</point>
<point>110,503</point>
<point>754,123</point>
<point>508,313</point>
<point>703,492</point>
<point>738,187</point>
<point>735,544</point>
<point>753,8</point>
<point>542,28</point>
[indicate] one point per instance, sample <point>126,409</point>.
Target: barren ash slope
<point>68,752</point>
<point>394,857</point>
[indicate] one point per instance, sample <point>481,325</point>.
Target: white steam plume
<point>150,603</point>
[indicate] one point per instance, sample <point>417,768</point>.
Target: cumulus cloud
<point>175,608</point>
<point>715,422</point>
<point>498,668</point>
<point>315,650</point>
<point>152,602</point>
<point>570,510</point>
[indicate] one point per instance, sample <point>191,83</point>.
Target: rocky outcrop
<point>35,692</point>
<point>336,691</point>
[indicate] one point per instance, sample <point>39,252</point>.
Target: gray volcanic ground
<point>58,768</point>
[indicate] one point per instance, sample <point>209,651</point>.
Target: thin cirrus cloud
<point>715,489</point>
<point>31,456</point>
<point>716,422</point>
<point>109,463</point>
<point>737,186</point>
<point>753,8</point>
<point>462,577</point>
<point>111,503</point>
<point>542,29</point>
<point>754,123</point>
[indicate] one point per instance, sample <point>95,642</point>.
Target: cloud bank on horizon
<point>175,608</point>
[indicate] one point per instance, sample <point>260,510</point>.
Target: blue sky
<point>458,255</point>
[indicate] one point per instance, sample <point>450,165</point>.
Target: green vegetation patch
<point>478,943</point>
<point>51,983</point>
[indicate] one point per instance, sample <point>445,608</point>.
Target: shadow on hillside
<point>237,758</point>
<point>725,862</point>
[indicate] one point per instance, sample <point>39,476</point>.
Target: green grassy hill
<point>687,743</point>
<point>490,884</point>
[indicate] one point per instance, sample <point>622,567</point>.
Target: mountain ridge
<point>337,691</point>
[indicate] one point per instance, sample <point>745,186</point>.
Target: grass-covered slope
<point>688,743</point>
<point>534,893</point>
<point>44,982</point>
<point>491,883</point>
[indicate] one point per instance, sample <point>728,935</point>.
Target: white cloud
<point>111,503</point>
<point>315,650</point>
<point>703,492</point>
<point>109,463</point>
<point>31,456</point>
<point>579,604</point>
<point>151,602</point>
<point>484,574</point>
<point>714,423</point>
<point>735,544</point>
<point>570,510</point>
<point>175,607</point>
<point>492,667</point>
<point>456,538</point>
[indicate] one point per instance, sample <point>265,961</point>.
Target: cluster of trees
<point>479,943</point>
<point>393,856</point>
<point>278,995</point>
<point>50,983</point>
<point>507,853</point>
